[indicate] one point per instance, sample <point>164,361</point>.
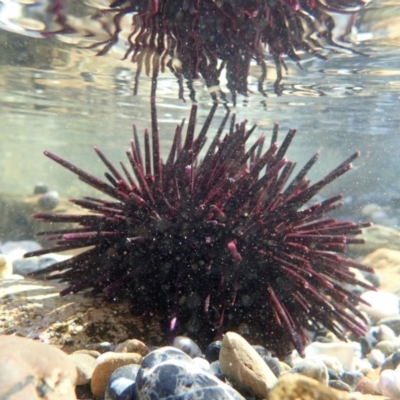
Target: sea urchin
<point>216,243</point>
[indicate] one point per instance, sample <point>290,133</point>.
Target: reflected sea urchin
<point>212,244</point>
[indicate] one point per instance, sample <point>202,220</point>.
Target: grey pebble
<point>102,347</point>
<point>49,200</point>
<point>312,368</point>
<point>122,385</point>
<point>339,385</point>
<point>168,373</point>
<point>187,345</point>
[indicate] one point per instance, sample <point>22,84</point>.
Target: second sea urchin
<point>215,243</point>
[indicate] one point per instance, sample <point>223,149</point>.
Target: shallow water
<point>59,97</point>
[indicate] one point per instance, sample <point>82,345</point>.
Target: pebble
<point>29,367</point>
<point>40,188</point>
<point>85,365</point>
<point>376,358</point>
<point>297,386</point>
<point>92,353</point>
<point>274,364</point>
<point>212,351</point>
<point>6,267</point>
<point>381,304</point>
<point>168,373</point>
<point>187,345</point>
<point>15,250</point>
<point>389,381</point>
<point>244,367</point>
<point>215,369</point>
<point>202,363</point>
<point>339,385</point>
<point>106,364</point>
<point>387,347</point>
<point>392,322</point>
<point>312,368</point>
<point>132,346</point>
<point>352,378</point>
<point>102,347</point>
<point>122,383</point>
<point>345,352</point>
<point>392,361</point>
<point>49,200</point>
<point>367,386</point>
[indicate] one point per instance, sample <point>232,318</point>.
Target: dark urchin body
<point>216,243</point>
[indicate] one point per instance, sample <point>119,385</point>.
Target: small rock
<point>49,200</point>
<point>274,364</point>
<point>244,367</point>
<point>261,350</point>
<point>132,346</point>
<point>187,345</point>
<point>106,364</point>
<point>27,364</point>
<point>330,362</point>
<point>40,188</point>
<point>212,351</point>
<point>376,358</point>
<point>6,267</point>
<point>381,304</point>
<point>49,259</point>
<point>345,352</point>
<point>85,365</point>
<point>387,347</point>
<point>16,249</point>
<point>297,386</point>
<point>315,369</point>
<point>339,385</point>
<point>386,264</point>
<point>178,378</point>
<point>122,385</point>
<point>367,386</point>
<point>391,362</point>
<point>92,353</point>
<point>392,322</point>
<point>352,378</point>
<point>202,363</point>
<point>25,266</point>
<point>388,384</point>
<point>215,369</point>
<point>102,347</point>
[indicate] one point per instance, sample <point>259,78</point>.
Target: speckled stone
<point>107,363</point>
<point>244,367</point>
<point>122,383</point>
<point>168,373</point>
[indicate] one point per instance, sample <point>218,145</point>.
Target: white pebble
<point>345,352</point>
<point>382,304</point>
<point>376,357</point>
<point>387,384</point>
